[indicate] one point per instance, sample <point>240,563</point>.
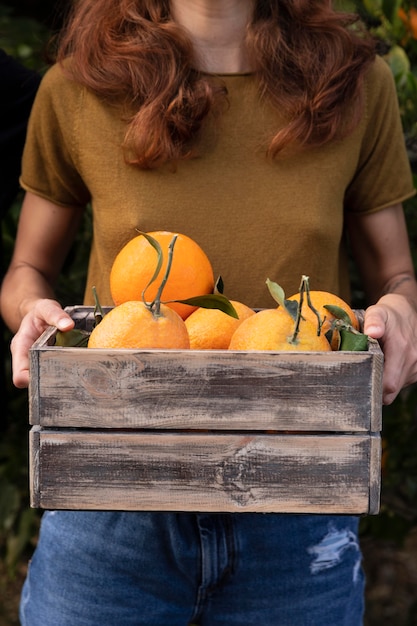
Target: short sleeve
<point>383,177</point>
<point>49,164</point>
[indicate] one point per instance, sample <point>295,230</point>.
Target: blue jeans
<point>168,569</point>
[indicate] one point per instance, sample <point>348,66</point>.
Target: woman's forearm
<point>21,287</point>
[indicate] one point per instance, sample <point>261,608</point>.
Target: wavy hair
<point>309,60</point>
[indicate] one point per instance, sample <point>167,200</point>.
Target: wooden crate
<point>177,430</point>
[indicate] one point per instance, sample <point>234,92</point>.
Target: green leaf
<point>276,292</point>
<point>211,301</point>
<point>74,338</point>
<point>337,312</point>
<point>156,245</point>
<point>292,308</point>
<point>353,341</point>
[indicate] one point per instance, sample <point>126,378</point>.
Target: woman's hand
<point>381,248</point>
<point>44,313</point>
<point>27,297</point>
<point>393,321</point>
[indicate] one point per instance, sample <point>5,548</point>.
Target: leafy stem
<point>155,305</point>
<point>305,287</point>
<point>98,311</point>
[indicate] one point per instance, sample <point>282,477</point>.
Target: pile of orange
<point>154,271</point>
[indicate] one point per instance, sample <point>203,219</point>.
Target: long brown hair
<point>309,60</point>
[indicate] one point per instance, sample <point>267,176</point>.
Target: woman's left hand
<point>393,321</point>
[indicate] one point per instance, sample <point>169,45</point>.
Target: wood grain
<point>79,387</point>
<point>203,471</point>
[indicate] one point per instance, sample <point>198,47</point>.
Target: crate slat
<point>79,387</point>
<point>248,472</point>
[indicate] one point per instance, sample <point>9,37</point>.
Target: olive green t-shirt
<point>255,218</point>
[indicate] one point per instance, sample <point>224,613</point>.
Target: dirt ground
<point>391,590</point>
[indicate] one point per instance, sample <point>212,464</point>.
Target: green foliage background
<point>23,34</point>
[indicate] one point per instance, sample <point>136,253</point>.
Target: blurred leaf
<point>373,7</point>
<point>23,38</point>
<point>398,61</point>
<point>9,505</point>
<point>347,6</point>
<point>390,9</point>
<point>17,543</point>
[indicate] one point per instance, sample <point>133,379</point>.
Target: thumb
<point>376,319</point>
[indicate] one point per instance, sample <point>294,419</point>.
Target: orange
<point>319,299</point>
<point>134,325</point>
<point>191,271</point>
<point>272,329</point>
<point>211,329</point>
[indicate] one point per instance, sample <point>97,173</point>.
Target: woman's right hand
<point>44,312</point>
<point>45,234</point>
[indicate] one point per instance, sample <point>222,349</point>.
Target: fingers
<point>393,322</point>
<point>46,313</point>
<point>376,318</point>
<point>43,314</point>
<point>20,361</point>
<point>393,382</point>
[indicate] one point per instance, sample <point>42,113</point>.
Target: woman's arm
<point>27,299</point>
<point>381,249</point>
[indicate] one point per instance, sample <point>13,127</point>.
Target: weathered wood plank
<point>246,472</point>
<point>375,475</point>
<point>76,387</point>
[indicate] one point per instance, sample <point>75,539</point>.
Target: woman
<point>268,132</point>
